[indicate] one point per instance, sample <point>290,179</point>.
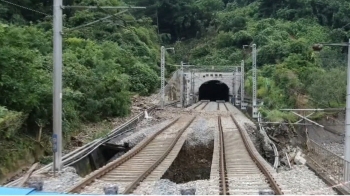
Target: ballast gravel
<point>335,147</point>
<point>59,183</point>
<point>300,180</point>
<point>97,187</point>
<point>138,136</point>
<point>202,133</point>
<point>167,187</point>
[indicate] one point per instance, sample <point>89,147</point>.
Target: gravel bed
<point>212,106</point>
<point>202,133</point>
<point>97,187</point>
<point>167,187</point>
<point>137,136</point>
<point>334,147</point>
<point>302,181</point>
<point>59,183</point>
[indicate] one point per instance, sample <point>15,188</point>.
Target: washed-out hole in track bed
<point>192,163</point>
<point>112,150</point>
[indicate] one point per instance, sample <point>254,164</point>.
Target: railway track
<point>202,105</point>
<point>139,163</point>
<point>240,169</point>
<point>222,106</point>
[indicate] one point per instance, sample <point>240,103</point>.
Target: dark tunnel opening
<point>214,90</point>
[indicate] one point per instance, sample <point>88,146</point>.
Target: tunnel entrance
<point>214,90</point>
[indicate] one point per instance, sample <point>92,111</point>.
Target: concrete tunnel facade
<point>210,86</point>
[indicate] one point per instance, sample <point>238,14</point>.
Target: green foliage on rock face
<point>10,122</point>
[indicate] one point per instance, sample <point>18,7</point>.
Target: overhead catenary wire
<point>23,7</point>
<point>96,21</point>
<point>81,26</point>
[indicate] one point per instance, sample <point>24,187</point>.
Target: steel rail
<point>198,105</point>
<point>141,177</point>
<point>110,166</point>
<point>226,107</point>
<point>222,162</point>
<point>250,147</point>
<point>205,105</point>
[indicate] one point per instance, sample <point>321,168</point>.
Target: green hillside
<point>105,63</point>
<point>291,74</point>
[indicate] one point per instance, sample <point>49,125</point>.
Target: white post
<point>242,86</point>
<point>237,102</point>
<point>347,123</point>
<point>181,84</point>
<point>162,70</point>
<point>57,84</point>
<point>255,108</point>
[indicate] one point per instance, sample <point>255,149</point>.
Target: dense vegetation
<point>107,62</point>
<point>104,65</point>
<point>291,74</point>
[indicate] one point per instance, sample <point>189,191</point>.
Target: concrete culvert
<point>214,90</point>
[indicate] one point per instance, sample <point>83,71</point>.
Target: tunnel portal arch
<point>214,90</point>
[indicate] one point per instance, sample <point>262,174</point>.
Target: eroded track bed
<point>139,163</point>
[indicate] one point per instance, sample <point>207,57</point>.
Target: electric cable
<point>20,6</point>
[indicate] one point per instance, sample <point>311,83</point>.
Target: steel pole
<point>162,70</point>
<point>181,83</point>
<point>242,85</point>
<point>57,84</point>
<point>255,108</point>
<point>235,87</point>
<point>347,122</point>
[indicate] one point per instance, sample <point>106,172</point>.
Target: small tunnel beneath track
<point>214,90</point>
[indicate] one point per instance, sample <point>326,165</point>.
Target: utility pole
<point>347,122</point>
<point>162,73</point>
<point>182,84</point>
<point>57,73</point>
<point>237,102</point>
<point>255,107</point>
<point>182,81</point>
<point>242,86</point>
<point>192,87</point>
<point>57,84</point>
<point>162,70</point>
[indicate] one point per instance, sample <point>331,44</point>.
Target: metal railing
<point>328,163</point>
